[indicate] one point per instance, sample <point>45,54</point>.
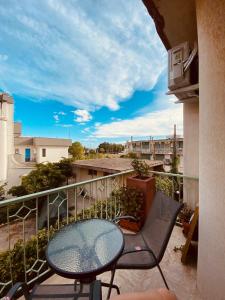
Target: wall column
<point>191,151</point>
<point>211,39</point>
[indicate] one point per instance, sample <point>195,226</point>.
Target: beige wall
<point>96,189</point>
<point>21,156</point>
<point>53,154</point>
<point>211,259</point>
<point>6,137</point>
<point>191,152</point>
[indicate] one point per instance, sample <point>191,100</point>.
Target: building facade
<point>160,149</point>
<point>18,154</point>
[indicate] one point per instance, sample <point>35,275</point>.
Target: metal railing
<point>178,186</point>
<point>27,222</point>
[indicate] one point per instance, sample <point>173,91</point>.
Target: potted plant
<point>131,202</point>
<point>143,182</point>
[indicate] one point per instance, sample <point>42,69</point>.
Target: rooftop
<point>112,164</point>
<point>169,139</point>
<point>40,141</point>
<point>4,97</point>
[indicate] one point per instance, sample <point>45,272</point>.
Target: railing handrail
<point>77,184</point>
<point>175,175</point>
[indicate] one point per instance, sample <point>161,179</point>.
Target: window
<point>92,172</point>
<point>17,151</point>
<point>43,152</point>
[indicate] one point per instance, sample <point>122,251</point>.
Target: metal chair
<point>57,292</point>
<point>145,249</point>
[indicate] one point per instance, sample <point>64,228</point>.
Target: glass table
<point>84,249</point>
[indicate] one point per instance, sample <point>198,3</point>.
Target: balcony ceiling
<point>175,20</point>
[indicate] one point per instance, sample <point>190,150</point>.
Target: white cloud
<point>87,129</point>
<point>62,113</point>
<point>57,114</point>
<point>155,123</point>
<point>56,117</point>
<point>82,116</point>
<point>81,54</point>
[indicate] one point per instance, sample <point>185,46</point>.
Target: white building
<point>159,149</point>
<point>18,154</point>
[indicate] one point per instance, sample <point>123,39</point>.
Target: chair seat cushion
<point>138,260</point>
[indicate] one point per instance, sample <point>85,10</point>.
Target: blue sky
<point>90,70</point>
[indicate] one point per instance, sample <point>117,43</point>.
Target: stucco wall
<point>15,175</point>
<point>211,259</point>
<point>21,155</point>
<point>99,190</point>
<point>53,154</point>
<point>6,137</point>
<point>3,150</point>
<point>191,152</point>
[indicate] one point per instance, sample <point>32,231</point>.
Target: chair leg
<point>113,286</point>
<point>163,277</point>
<point>111,283</point>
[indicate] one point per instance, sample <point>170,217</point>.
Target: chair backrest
<point>160,222</point>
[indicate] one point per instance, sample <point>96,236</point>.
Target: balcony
<point>181,278</point>
<point>29,221</point>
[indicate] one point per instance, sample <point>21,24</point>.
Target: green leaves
<point>165,185</point>
<point>110,148</point>
<point>2,191</point>
<point>131,201</point>
<point>76,150</point>
<point>141,168</point>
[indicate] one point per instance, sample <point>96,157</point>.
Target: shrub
<point>15,257</point>
<point>2,191</point>
<point>131,201</point>
<point>141,168</point>
<point>164,184</point>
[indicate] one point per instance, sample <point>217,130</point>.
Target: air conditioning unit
<point>182,66</point>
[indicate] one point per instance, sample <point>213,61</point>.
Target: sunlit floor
<point>181,278</point>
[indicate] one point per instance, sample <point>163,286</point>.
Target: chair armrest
<point>124,218</point>
<point>15,288</point>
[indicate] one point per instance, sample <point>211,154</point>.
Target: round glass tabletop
<point>85,248</point>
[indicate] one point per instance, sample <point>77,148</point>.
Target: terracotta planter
<point>147,186</point>
<point>130,225</point>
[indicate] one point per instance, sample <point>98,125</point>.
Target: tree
<point>110,148</point>
<point>18,190</point>
<point>66,167</point>
<point>102,150</point>
<point>45,177</point>
<point>76,150</point>
<point>2,191</point>
<point>92,151</point>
